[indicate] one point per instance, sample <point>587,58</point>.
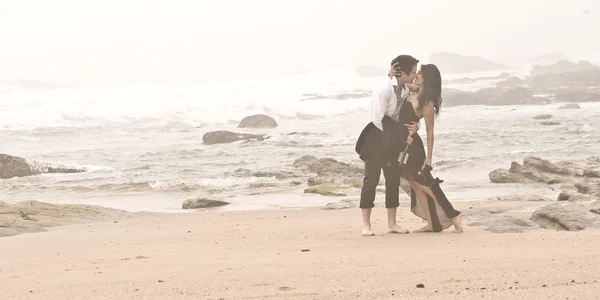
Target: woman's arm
<point>429,115</point>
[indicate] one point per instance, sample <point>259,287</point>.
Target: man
<point>387,100</point>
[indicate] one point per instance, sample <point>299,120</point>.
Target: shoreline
<point>298,254</point>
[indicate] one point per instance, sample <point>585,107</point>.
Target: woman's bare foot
<point>457,222</point>
<point>426,228</point>
<point>367,231</point>
<point>397,229</point>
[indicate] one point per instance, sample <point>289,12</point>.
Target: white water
<point>143,151</point>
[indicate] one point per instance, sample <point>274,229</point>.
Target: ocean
<point>143,151</point>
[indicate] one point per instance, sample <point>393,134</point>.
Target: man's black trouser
<point>392,184</point>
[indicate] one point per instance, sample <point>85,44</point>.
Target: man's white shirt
<point>384,101</point>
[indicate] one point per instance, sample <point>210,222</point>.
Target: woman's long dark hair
<point>432,88</point>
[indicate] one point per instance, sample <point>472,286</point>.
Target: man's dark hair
<point>405,63</point>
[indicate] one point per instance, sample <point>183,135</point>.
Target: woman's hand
<point>393,71</point>
<point>409,140</point>
<point>427,162</point>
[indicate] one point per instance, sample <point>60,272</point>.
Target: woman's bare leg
<point>422,198</point>
<point>456,221</point>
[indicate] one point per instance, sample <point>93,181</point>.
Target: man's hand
<point>412,128</point>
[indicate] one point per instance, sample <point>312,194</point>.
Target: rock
<point>515,96</point>
<point>13,166</point>
<point>258,121</point>
<point>535,170</point>
<point>34,216</point>
<point>542,117</point>
<point>548,82</point>
<point>591,173</point>
<point>549,123</point>
<point>342,204</point>
<point>570,106</point>
<point>561,67</point>
<point>511,82</point>
<point>504,176</point>
<point>505,224</point>
<point>326,190</point>
<point>576,95</point>
<point>595,210</point>
<point>565,217</point>
<point>223,137</point>
<point>563,196</point>
<point>262,174</point>
<point>199,203</point>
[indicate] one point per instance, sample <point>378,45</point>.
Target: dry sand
<point>261,255</point>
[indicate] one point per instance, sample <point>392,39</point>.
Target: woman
<point>425,103</point>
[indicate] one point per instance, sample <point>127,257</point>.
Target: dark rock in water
<point>258,121</point>
<point>549,123</point>
<point>591,173</point>
<point>570,106</point>
<point>595,211</point>
<point>565,217</point>
<point>563,196</point>
<point>224,137</point>
<point>202,203</point>
<point>542,117</point>
<point>13,166</point>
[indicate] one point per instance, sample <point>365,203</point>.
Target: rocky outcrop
<point>258,121</point>
<point>34,216</point>
<point>455,63</point>
<point>492,96</point>
<point>512,82</point>
<point>553,81</point>
<point>333,177</point>
<point>566,217</point>
<point>224,137</point>
<point>542,117</point>
<point>14,166</point>
<point>576,95</point>
<point>574,183</point>
<point>199,203</point>
<point>562,67</point>
<point>534,170</point>
<point>570,106</point>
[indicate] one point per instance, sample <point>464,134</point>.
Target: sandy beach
<point>295,254</point>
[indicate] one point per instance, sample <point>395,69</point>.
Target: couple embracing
<point>390,142</point>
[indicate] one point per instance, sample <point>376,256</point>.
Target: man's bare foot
<point>457,222</point>
<point>426,228</point>
<point>397,229</point>
<point>367,231</point>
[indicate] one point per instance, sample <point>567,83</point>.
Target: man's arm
<point>379,104</point>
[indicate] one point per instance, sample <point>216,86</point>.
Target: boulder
<point>35,216</point>
<point>224,137</point>
<point>258,121</point>
<point>13,166</point>
<point>199,203</point>
<point>565,217</point>
<point>570,106</point>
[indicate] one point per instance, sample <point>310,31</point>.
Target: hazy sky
<point>149,40</point>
